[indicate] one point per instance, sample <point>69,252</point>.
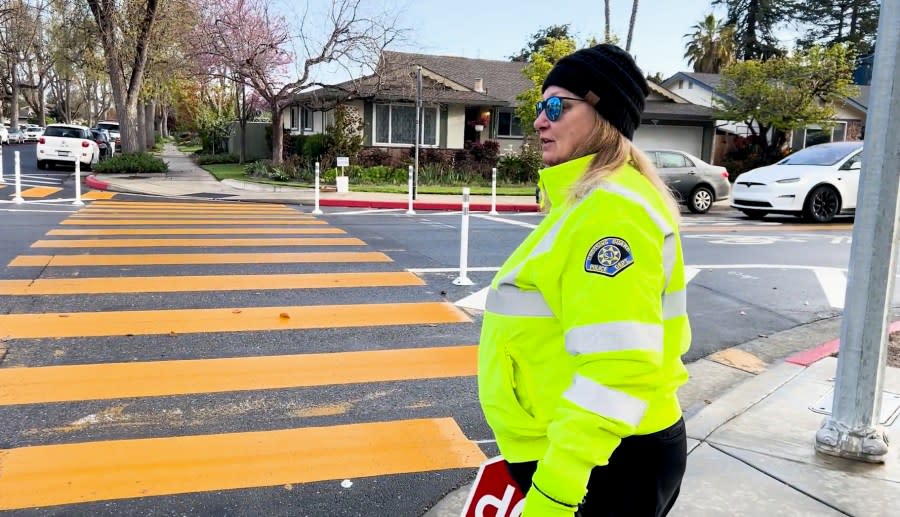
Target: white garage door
<point>680,138</point>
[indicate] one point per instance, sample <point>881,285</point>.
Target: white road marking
<point>476,300</point>
<point>506,221</point>
<point>689,273</point>
<point>426,270</point>
<point>368,211</point>
<point>834,283</point>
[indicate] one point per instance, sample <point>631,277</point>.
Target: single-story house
<point>471,100</point>
<point>850,117</point>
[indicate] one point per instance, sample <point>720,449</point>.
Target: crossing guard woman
<point>586,322</point>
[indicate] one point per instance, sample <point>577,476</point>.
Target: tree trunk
<point>42,104</point>
<point>164,120</point>
<point>277,133</point>
<point>14,104</point>
<point>140,114</point>
<point>242,114</point>
<point>634,9</point>
<point>149,112</point>
<point>606,18</point>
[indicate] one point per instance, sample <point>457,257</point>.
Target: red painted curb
<point>425,205</point>
<point>93,182</point>
<point>829,348</point>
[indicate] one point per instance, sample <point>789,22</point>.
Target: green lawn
<point>236,171</point>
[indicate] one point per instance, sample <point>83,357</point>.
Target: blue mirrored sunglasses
<point>553,106</point>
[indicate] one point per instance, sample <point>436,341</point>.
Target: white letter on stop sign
<point>502,505</point>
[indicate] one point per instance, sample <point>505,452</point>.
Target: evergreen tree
<point>754,22</point>
<point>540,39</point>
<point>827,22</point>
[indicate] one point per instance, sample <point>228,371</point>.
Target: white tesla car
<point>818,183</point>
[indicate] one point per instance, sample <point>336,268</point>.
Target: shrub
<point>373,157</point>
<point>132,163</point>
<point>520,168</point>
<point>257,169</point>
<point>206,159</point>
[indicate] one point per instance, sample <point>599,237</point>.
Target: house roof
<point>502,79</point>
<point>664,110</point>
<point>861,99</point>
<point>710,81</point>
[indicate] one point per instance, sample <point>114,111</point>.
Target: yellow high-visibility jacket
<point>584,328</point>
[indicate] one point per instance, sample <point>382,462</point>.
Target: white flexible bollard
<point>410,210</point>
<point>493,191</point>
<point>2,181</point>
<point>463,278</point>
<point>317,210</point>
<point>78,201</point>
<point>18,198</point>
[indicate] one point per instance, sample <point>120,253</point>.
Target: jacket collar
<point>557,181</point>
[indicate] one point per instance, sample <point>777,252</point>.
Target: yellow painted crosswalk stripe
<point>124,210</point>
<point>39,192</point>
<point>206,243</point>
<point>171,259</point>
<point>195,221</point>
<point>175,284</point>
<point>98,194</point>
<point>102,470</point>
<point>169,215</point>
<point>194,231</point>
<point>211,205</point>
<point>168,378</point>
<point>244,319</point>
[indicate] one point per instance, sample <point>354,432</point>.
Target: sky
<point>496,29</point>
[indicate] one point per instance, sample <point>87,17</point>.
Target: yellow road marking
<point>189,321</point>
<point>95,471</point>
<point>196,231</point>
<point>210,222</point>
<point>37,192</point>
<point>167,378</point>
<point>98,194</point>
<point>184,243</point>
<point>174,284</point>
<point>161,204</point>
<point>170,259</point>
<point>204,211</point>
<point>170,215</point>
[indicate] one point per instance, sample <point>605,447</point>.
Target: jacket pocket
<point>502,406</point>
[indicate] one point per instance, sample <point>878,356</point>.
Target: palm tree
<point>712,46</point>
<point>634,8</point>
<point>606,17</point>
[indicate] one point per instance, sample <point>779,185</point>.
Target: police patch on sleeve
<point>608,256</point>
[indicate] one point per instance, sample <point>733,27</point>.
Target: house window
<point>508,124</point>
<point>293,123</point>
<point>816,135</point>
<point>396,124</point>
<point>680,84</point>
<point>839,133</point>
<point>306,119</point>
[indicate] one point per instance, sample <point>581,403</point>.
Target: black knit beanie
<point>607,77</point>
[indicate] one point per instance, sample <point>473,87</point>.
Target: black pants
<point>642,479</point>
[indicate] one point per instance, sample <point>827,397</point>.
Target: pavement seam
<point>776,478</point>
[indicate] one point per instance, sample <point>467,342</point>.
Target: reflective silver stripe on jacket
<point>674,304</point>
<point>615,336</point>
<point>509,300</point>
<point>604,401</point>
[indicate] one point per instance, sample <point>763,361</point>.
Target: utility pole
<point>852,431</point>
<point>419,128</point>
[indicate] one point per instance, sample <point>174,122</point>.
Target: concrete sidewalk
<point>751,422</point>
<point>186,179</point>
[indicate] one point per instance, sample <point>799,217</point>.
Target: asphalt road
<point>187,437</point>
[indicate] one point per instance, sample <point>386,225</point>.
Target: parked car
<point>16,136</point>
<point>818,183</point>
<point>113,128</point>
<point>101,137</point>
<point>32,133</point>
<point>4,135</point>
<point>65,143</point>
<point>694,182</point>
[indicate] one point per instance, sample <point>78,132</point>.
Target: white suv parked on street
<point>65,143</point>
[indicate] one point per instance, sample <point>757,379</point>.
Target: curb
<point>92,182</point>
<point>826,349</point>
<point>426,205</point>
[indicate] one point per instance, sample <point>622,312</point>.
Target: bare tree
<point>241,37</point>
<point>607,33</point>
<point>126,31</point>
<point>18,34</point>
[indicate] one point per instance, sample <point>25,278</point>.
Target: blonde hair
<point>612,150</point>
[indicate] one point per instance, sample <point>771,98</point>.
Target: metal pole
<point>78,201</point>
<point>463,278</point>
<point>418,125</point>
<point>852,430</point>
<point>493,191</point>
<point>410,210</point>
<point>317,210</point>
<point>18,198</point>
